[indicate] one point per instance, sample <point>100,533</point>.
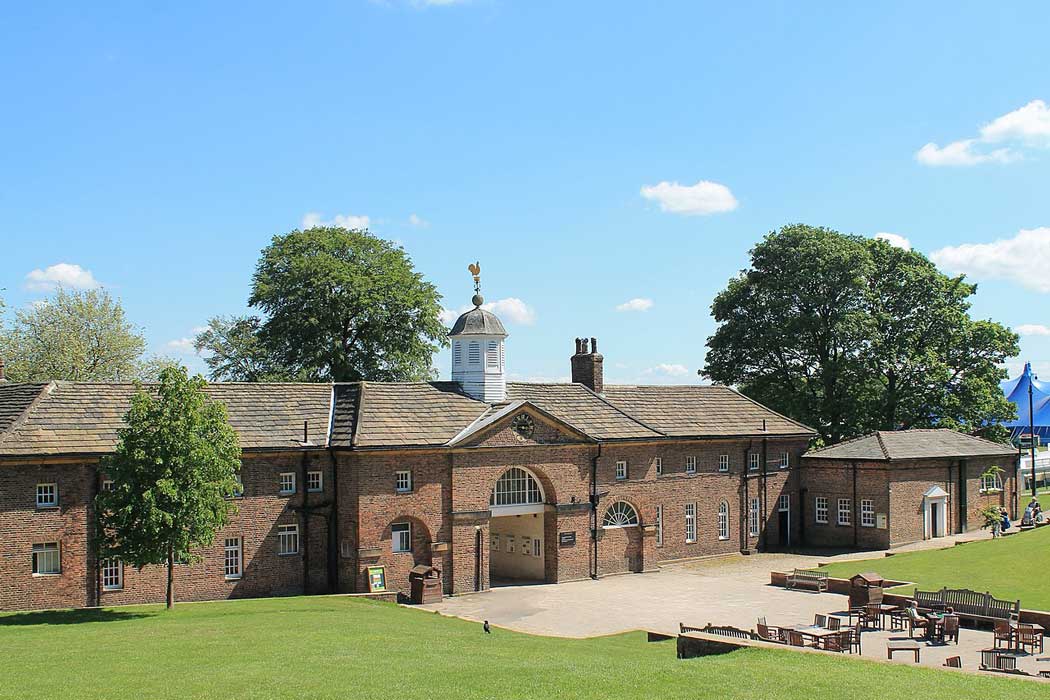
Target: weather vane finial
<point>475,270</point>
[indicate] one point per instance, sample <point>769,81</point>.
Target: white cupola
<point>477,351</point>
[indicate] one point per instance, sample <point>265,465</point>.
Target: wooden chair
<point>820,620</point>
<point>873,615</point>
<point>916,621</point>
<point>1029,638</point>
<point>854,639</point>
<point>950,629</point>
<point>840,642</point>
<point>1003,633</point>
<point>834,623</point>
<point>898,619</point>
<point>953,662</point>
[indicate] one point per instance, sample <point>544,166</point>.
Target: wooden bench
<point>721,630</point>
<point>902,645</point>
<point>979,607</point>
<point>808,577</point>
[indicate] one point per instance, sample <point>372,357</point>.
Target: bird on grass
<point>488,630</point>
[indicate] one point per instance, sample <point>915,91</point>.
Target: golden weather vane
<point>475,270</point>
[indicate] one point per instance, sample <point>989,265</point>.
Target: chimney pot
<point>579,345</point>
<point>587,365</point>
<point>585,350</point>
<point>594,345</point>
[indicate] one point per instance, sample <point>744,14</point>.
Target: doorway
<point>784,520</point>
<point>935,513</point>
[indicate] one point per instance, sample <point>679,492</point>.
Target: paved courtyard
<point>729,591</point>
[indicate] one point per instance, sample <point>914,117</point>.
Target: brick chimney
<point>587,365</point>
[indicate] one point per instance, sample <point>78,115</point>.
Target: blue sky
<point>155,151</point>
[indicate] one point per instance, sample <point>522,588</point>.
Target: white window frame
<point>723,520</point>
<point>659,526</point>
<point>287,540</point>
<point>690,523</point>
<point>314,482</point>
<point>867,512</point>
<point>621,469</point>
<point>785,459</point>
<point>112,572</point>
<point>845,512</point>
<point>286,483</point>
<point>620,514</point>
<point>820,510</point>
<point>233,558</point>
<point>754,512</point>
<point>690,465</point>
<point>723,463</point>
<point>537,547</point>
<point>49,491</point>
<point>107,485</point>
<point>784,503</point>
<point>49,553</point>
<point>403,481</point>
<point>401,538</point>
<point>991,483</point>
<point>658,464</point>
<point>754,461</point>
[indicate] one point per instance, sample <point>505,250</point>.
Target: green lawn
<point>1011,567</point>
<point>342,648</point>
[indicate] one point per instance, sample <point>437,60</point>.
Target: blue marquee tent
<point>1016,391</point>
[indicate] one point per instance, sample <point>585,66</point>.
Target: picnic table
<point>903,645</point>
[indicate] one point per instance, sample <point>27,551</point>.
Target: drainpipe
<point>742,519</point>
<point>333,529</point>
<point>594,512</point>
<point>477,558</point>
<point>95,488</point>
<point>853,508</point>
<point>304,463</point>
<point>765,473</point>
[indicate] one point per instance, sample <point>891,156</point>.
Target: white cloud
<point>894,239</point>
<point>60,275</point>
<point>1026,126</point>
<point>668,370</point>
<point>182,345</point>
<point>1024,259</point>
<point>417,221</point>
<point>352,221</point>
<point>636,304</point>
<point>510,309</point>
<point>705,197</point>
<point>1032,329</point>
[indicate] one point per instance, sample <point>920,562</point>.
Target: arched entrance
<point>516,529</point>
<point>621,538</point>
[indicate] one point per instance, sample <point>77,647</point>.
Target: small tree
<point>991,513</point>
<point>174,467</point>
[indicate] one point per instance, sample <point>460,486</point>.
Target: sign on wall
<point>880,521</point>
<point>566,539</point>
<point>376,579</point>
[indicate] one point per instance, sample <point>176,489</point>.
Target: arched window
<point>516,487</point>
<point>620,514</point>
<point>723,521</point>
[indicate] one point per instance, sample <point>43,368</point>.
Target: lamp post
<point>1031,427</point>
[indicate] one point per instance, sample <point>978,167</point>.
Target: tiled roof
<point>885,445</point>
<point>83,418</point>
<point>415,414</point>
<point>700,411</point>
<point>581,408</point>
<point>15,400</point>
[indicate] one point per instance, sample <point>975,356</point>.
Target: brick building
<point>894,487</point>
<point>486,479</point>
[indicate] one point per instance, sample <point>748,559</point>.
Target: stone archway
<point>622,545</point>
<point>518,516</point>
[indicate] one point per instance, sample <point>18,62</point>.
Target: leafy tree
<point>849,335</point>
<point>175,464</point>
<point>344,305</point>
<point>77,336</point>
<point>233,352</point>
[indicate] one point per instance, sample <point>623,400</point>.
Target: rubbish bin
<point>425,581</point>
<point>865,589</point>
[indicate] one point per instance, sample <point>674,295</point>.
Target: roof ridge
<point>825,448</point>
<point>46,389</point>
<point>358,412</point>
<point>767,408</point>
<point>619,410</point>
<point>882,444</point>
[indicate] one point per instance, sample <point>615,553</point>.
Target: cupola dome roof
<point>478,321</point>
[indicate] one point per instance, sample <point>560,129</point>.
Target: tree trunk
<point>170,597</point>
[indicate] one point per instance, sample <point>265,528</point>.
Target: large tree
<point>344,305</point>
<point>231,348</point>
<point>78,336</point>
<point>849,334</point>
<point>173,471</point>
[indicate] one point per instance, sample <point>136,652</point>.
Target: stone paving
<point>731,590</point>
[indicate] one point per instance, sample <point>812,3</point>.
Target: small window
<point>658,464</point>
<point>112,574</point>
<point>287,483</point>
<point>754,459</point>
<point>991,483</point>
<point>510,544</point>
<point>47,495</point>
<point>238,488</point>
<point>785,459</point>
<point>314,482</point>
<point>784,503</point>
<point>621,470</point>
<point>690,523</point>
<point>526,546</point>
<point>474,353</point>
<point>401,537</point>
<point>723,463</point>
<point>867,513</point>
<point>47,560</point>
<point>232,558</point>
<point>620,514</point>
<point>723,520</point>
<point>690,464</point>
<point>403,481</point>
<point>753,513</point>
<point>845,511</point>
<point>821,510</point>
<point>107,485</point>
<point>659,526</point>
<point>287,539</point>
<point>537,548</point>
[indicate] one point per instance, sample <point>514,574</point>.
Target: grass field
<point>1012,567</point>
<point>342,648</point>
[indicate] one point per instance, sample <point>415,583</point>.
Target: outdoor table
<point>902,645</point>
<point>884,610</point>
<point>813,630</point>
<point>936,621</point>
